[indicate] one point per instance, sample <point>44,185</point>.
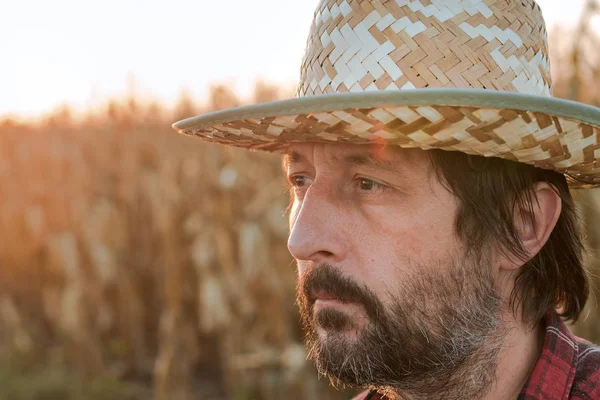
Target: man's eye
<point>298,181</point>
<point>369,185</point>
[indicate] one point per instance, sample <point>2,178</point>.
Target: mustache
<point>325,278</point>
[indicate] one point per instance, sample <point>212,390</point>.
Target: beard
<point>438,337</point>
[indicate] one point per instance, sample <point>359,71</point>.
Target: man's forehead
<point>377,155</point>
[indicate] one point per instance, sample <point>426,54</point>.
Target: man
<point>425,273</point>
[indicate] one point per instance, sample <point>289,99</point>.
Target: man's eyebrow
<point>290,158</point>
<point>369,159</point>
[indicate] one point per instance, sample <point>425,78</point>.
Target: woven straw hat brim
<point>547,132</point>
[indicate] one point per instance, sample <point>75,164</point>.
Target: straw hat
<point>462,75</point>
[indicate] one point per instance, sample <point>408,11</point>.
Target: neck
<point>521,350</point>
<point>512,364</point>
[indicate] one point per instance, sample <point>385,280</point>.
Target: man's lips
<point>324,298</point>
<point>319,303</point>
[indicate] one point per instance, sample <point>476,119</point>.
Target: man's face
<point>388,294</point>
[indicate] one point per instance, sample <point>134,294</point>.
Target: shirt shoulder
<point>586,384</point>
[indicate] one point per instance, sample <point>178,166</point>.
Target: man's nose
<point>318,230</point>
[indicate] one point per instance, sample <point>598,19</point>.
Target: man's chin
<point>337,356</point>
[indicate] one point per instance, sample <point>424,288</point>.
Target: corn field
<point>141,256</point>
<point>139,264</point>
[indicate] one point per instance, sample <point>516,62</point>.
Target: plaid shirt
<point>568,368</point>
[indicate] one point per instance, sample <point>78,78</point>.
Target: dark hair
<point>489,190</point>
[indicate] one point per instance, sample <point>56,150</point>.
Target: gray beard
<point>439,339</point>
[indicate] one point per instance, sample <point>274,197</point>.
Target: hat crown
<point>375,45</point>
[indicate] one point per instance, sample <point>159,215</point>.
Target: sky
<point>81,53</point>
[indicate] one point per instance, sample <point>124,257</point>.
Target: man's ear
<point>535,217</point>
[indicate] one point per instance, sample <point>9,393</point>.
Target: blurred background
<point>139,264</point>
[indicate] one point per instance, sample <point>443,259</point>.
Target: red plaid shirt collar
<point>568,367</point>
